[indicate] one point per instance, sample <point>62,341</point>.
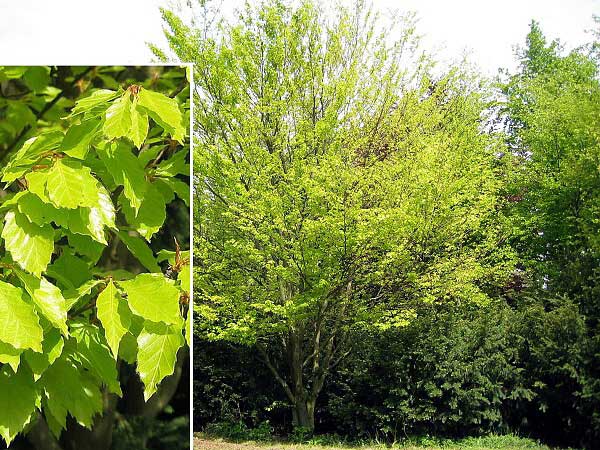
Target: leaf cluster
<point>69,317</point>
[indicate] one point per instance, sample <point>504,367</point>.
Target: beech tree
<point>83,296</point>
<point>337,181</point>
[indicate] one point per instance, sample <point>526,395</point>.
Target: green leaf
<point>30,153</point>
<point>94,354</point>
<point>12,200</point>
<point>86,246</point>
<point>157,354</point>
<point>69,270</point>
<point>79,137</point>
<point>114,314</point>
<point>126,171</point>
<point>39,212</point>
<point>165,112</point>
<point>104,210</point>
<point>36,183</point>
<point>153,297</point>
<point>19,324</point>
<point>98,98</point>
<point>72,296</point>
<point>30,245</point>
<point>118,118</point>
<point>116,274</point>
<point>175,165</point>
<point>139,125</point>
<point>169,255</point>
<point>82,403</point>
<point>99,169</point>
<point>37,78</point>
<point>149,153</point>
<point>18,396</point>
<point>92,221</point>
<point>47,298</point>
<point>109,81</point>
<point>19,115</point>
<point>164,189</point>
<point>71,185</point>
<point>180,188</point>
<point>151,215</point>
<point>53,423</point>
<point>140,250</point>
<point>188,325</point>
<point>10,355</point>
<point>12,72</point>
<point>52,348</point>
<point>128,348</point>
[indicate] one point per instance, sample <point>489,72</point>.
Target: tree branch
<point>275,373</point>
<point>41,437</point>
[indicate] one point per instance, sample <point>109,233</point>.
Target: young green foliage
<point>70,195</point>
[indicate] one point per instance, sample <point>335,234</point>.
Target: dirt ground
<point>204,444</point>
<point>217,444</point>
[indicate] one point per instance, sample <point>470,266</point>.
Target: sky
<point>116,31</point>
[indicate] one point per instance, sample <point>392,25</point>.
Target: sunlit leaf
<point>29,244</point>
<point>153,297</point>
<point>157,354</point>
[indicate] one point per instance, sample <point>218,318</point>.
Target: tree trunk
<point>304,415</point>
<point>309,359</point>
<point>40,436</point>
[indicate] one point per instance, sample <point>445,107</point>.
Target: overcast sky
<point>116,31</point>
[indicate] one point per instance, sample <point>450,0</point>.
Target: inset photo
<point>94,257</point>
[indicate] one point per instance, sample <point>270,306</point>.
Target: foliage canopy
<point>338,183</point>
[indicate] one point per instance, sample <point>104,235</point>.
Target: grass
<point>204,442</point>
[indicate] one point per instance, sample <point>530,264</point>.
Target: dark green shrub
<point>450,373</point>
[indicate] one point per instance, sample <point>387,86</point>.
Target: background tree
<point>481,241</point>
<point>553,111</point>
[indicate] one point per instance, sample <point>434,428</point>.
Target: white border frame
<point>191,300</point>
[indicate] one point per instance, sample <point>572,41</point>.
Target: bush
<point>239,431</point>
<point>449,373</point>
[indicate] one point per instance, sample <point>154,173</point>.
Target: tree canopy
<point>338,182</point>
